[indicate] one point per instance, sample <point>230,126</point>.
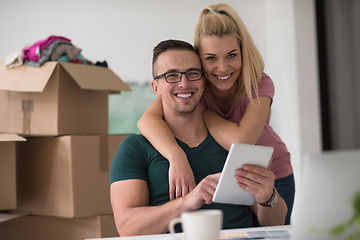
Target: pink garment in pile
<point>32,53</point>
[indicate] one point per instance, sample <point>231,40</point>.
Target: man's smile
<point>184,94</point>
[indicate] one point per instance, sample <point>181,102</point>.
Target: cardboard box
<point>8,215</point>
<point>66,176</point>
<point>8,170</point>
<point>55,228</point>
<point>56,99</point>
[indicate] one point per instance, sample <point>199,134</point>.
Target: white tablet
<point>227,190</point>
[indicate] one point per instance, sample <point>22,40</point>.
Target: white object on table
<point>274,232</point>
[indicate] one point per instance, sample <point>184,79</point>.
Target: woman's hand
<point>181,178</point>
<point>256,180</point>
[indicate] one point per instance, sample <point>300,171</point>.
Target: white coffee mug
<point>200,224</point>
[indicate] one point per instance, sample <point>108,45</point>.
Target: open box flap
<point>7,137</point>
<point>95,77</point>
<point>25,78</point>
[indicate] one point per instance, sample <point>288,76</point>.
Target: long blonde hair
<point>219,20</point>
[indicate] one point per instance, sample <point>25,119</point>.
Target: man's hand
<point>181,179</point>
<point>202,193</point>
<point>256,180</point>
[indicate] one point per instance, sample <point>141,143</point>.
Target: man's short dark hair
<point>170,45</point>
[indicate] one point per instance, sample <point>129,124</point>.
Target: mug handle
<point>172,224</point>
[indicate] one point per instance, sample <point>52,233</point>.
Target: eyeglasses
<point>174,76</point>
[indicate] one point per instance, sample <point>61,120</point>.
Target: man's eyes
<point>171,75</point>
<point>193,74</point>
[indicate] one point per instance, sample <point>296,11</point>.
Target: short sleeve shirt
<point>137,159</point>
<point>281,165</point>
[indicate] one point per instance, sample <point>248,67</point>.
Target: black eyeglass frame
<point>181,73</point>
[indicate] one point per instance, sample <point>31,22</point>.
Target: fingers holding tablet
<point>256,180</point>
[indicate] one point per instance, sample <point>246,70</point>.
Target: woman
<point>236,102</point>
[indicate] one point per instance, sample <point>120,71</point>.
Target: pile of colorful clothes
<point>53,48</point>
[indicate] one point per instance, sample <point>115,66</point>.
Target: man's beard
<point>183,112</point>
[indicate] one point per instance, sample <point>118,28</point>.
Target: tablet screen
<point>227,190</point>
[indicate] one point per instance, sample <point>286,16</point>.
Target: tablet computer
<point>227,190</point>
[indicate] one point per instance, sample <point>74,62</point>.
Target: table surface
<point>274,232</point>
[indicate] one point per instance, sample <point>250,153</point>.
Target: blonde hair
<point>219,20</point>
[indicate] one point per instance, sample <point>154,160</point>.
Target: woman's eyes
<point>212,58</point>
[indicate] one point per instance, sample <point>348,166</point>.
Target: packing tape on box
<point>27,108</point>
<point>104,153</point>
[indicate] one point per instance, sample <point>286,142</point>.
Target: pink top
<point>32,53</point>
<point>281,164</point>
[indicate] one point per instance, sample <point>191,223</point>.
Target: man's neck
<point>189,128</point>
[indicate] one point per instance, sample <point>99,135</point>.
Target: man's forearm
<point>133,216</point>
<point>272,216</point>
<point>148,220</point>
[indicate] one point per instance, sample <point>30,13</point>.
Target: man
<point>139,174</point>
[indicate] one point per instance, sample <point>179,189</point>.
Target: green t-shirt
<point>136,158</point>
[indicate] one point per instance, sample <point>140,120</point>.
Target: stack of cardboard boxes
<point>62,169</point>
<point>8,171</point>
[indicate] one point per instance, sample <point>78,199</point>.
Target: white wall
<point>124,33</point>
